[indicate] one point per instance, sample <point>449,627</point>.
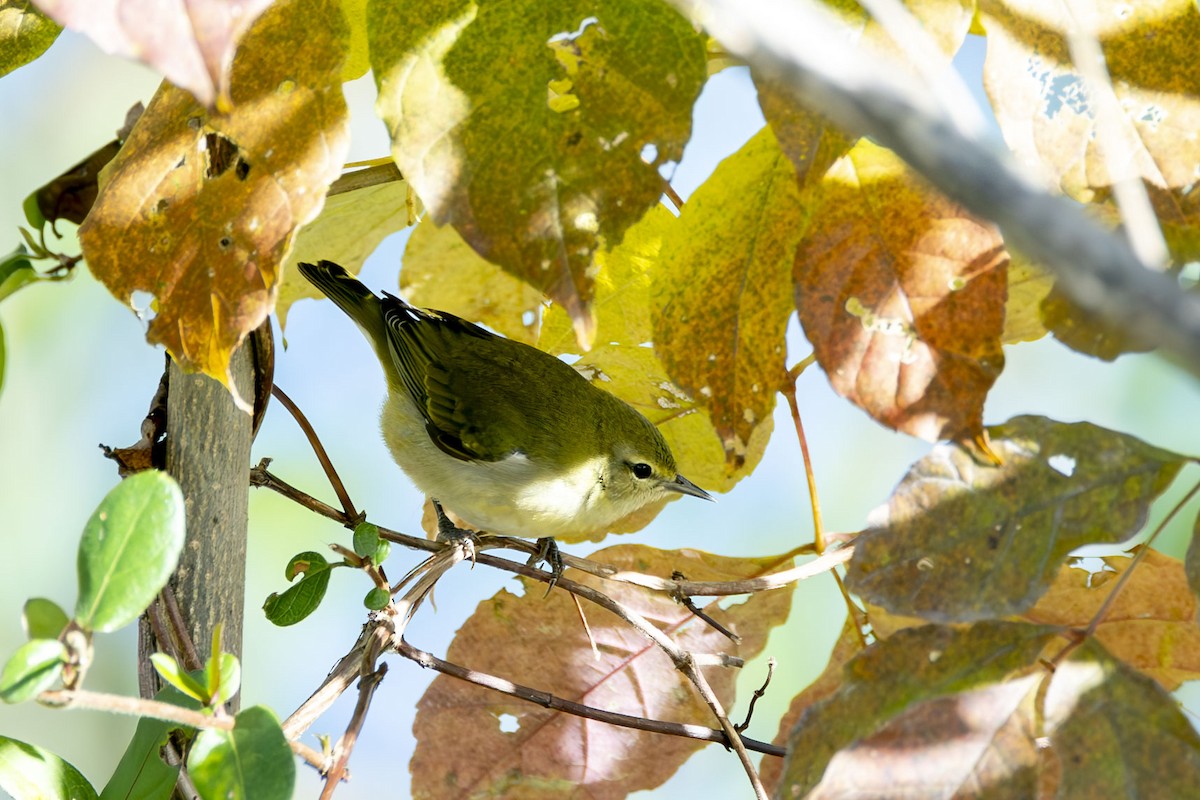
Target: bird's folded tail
<point>351,296</point>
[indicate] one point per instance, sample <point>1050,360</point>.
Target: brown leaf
<point>847,646</point>
<point>1151,626</point>
<point>902,295</point>
<point>1085,331</point>
<point>191,42</point>
<point>200,209</point>
<point>517,749</point>
<point>960,540</point>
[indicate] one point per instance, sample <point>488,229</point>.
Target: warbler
<point>511,439</point>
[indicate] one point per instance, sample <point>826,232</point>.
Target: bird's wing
<point>423,345</point>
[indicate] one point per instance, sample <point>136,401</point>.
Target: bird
<point>511,439</point>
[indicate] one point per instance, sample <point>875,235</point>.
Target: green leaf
<point>129,548</point>
<point>1116,732</point>
<point>913,668</point>
<point>141,773</point>
<point>366,538</point>
<point>169,670</point>
<point>962,540</point>
<point>302,599</point>
<point>377,598</point>
<point>28,771</point>
<point>537,129</point>
<point>43,619</point>
<point>382,551</point>
<point>25,33</point>
<point>16,271</point>
<point>224,678</point>
<point>251,762</point>
<point>33,668</point>
<point>33,211</point>
<point>1,356</point>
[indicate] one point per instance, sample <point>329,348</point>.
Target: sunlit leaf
<point>16,271</point>
<point>962,686</point>
<point>961,539</point>
<point>192,43</point>
<point>199,209</point>
<point>25,33</point>
<point>175,675</point>
<point>1028,286</point>
<point>1116,733</point>
<point>35,667</point>
<point>129,548</point>
<point>1050,120</point>
<point>1151,626</point>
<point>902,295</point>
<point>721,290</point>
<point>537,129</point>
<point>519,749</point>
<point>27,770</point>
<point>251,762</point>
<point>348,229</point>
<point>441,271</point>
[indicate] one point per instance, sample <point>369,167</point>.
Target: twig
<point>789,391</point>
<point>367,684</point>
<point>327,465</point>
<point>733,737</point>
<point>759,692</point>
<point>548,700</point>
<point>691,606</point>
<point>335,684</point>
<point>168,712</point>
<point>179,630</point>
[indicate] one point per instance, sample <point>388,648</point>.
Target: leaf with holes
<point>519,749</point>
<point>537,129</point>
<point>199,209</point>
<point>192,43</point>
<point>901,293</point>
<point>962,540</point>
<point>1151,625</point>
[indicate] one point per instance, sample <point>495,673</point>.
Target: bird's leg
<point>548,551</point>
<point>452,534</point>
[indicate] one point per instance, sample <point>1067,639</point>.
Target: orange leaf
<point>200,209</point>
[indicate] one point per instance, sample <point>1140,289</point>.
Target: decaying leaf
<point>961,540</point>
<point>199,209</point>
<point>537,129</point>
<point>25,33</point>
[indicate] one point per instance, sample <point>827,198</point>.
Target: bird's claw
<point>450,533</point>
<point>548,551</point>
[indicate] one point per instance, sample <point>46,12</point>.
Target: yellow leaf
<point>439,270</point>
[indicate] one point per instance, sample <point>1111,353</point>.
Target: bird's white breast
<point>513,496</point>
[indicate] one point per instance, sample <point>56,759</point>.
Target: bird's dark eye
<point>642,471</point>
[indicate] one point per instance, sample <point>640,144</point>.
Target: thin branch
<point>799,46</point>
<point>327,465</point>
<point>759,692</point>
<point>1113,134</point>
<point>547,700</point>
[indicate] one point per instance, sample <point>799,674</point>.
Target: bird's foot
<point>450,533</point>
<point>548,552</point>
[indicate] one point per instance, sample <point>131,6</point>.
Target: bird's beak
<point>684,486</point>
